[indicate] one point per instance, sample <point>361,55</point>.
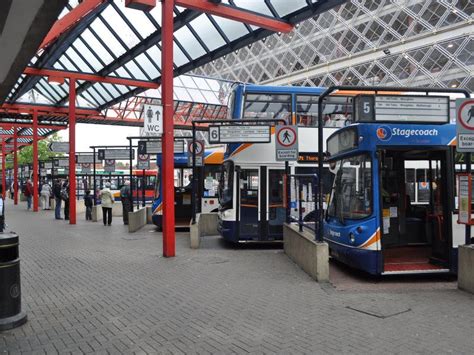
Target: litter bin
<point>11,315</point>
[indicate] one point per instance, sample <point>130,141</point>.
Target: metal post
<point>15,166</point>
<point>288,191</point>
<point>193,183</point>
<point>316,210</point>
<point>167,14</point>
<point>35,161</point>
<point>300,205</point>
<point>143,188</point>
<point>467,157</point>
<point>4,177</point>
<point>320,205</point>
<point>130,142</point>
<point>72,151</point>
<point>94,184</point>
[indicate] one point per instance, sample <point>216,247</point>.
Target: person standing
<point>28,193</point>
<point>88,203</point>
<point>107,202</point>
<point>2,210</point>
<point>65,197</point>
<point>46,192</point>
<point>57,199</point>
<point>127,201</point>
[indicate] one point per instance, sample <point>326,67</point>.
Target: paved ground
<point>95,289</point>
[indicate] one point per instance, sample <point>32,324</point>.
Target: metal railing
<point>302,201</point>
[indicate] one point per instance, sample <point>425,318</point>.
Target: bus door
<point>276,210</point>
<point>415,209</point>
<point>249,185</point>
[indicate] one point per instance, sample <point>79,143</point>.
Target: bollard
<point>11,315</point>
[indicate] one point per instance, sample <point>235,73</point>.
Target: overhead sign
<point>86,168</point>
<point>401,108</point>
<point>143,161</point>
<point>239,134</point>
<point>198,146</point>
<point>465,125</point>
<point>43,172</point>
<point>87,158</point>
<point>286,143</point>
<point>154,147</point>
<point>152,120</point>
<point>45,164</point>
<point>59,147</point>
<point>465,198</point>
<point>61,162</point>
<point>115,154</point>
<point>109,165</point>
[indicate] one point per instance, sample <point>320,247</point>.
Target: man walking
<point>28,193</point>
<point>126,197</point>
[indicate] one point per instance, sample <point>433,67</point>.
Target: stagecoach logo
<point>334,233</point>
<point>384,133</point>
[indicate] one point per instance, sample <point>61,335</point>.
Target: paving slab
<point>94,289</point>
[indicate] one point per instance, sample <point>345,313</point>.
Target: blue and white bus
<point>251,193</point>
<point>392,203</point>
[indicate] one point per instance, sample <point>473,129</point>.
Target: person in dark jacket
<point>28,193</point>
<point>65,197</point>
<point>88,203</point>
<point>127,202</point>
<point>57,199</point>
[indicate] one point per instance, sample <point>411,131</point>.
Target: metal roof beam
<point>69,20</point>
<point>237,14</point>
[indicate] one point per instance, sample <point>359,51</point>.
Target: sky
<point>93,134</point>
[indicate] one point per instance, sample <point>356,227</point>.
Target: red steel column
<point>4,161</point>
<point>15,166</point>
<point>168,129</point>
<point>72,151</point>
<point>35,161</point>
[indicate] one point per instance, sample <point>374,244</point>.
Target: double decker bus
<point>208,177</point>
<point>392,205</point>
<point>251,190</point>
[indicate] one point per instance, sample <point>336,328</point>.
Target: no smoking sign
<point>465,125</point>
<point>286,143</point>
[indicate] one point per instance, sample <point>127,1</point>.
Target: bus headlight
<point>352,238</point>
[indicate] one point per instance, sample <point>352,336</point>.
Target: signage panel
<point>154,147</point>
<point>87,158</point>
<point>199,147</point>
<point>152,120</point>
<point>464,195</point>
<point>465,125</point>
<point>109,165</point>
<point>239,134</point>
<point>143,161</point>
<point>59,147</point>
<point>115,154</point>
<point>286,143</point>
<point>61,162</point>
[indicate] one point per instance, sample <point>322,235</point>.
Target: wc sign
<point>152,120</point>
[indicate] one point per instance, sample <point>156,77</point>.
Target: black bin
<point>11,315</point>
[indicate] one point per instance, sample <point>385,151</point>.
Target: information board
<point>199,147</point>
<point>59,147</point>
<point>239,134</point>
<point>465,125</point>
<point>115,154</point>
<point>61,162</point>
<point>86,168</point>
<point>87,158</point>
<point>109,165</point>
<point>402,108</point>
<point>464,196</point>
<point>154,147</point>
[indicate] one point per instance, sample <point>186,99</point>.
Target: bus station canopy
<point>111,40</point>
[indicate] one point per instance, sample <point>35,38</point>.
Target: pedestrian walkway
<point>95,289</point>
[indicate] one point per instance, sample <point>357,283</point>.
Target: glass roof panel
<point>96,46</point>
<point>208,33</point>
<point>155,54</point>
<point>285,7</point>
<point>88,56</point>
<point>256,6</point>
<point>196,95</point>
<point>181,94</point>
<point>108,38</point>
<point>138,19</point>
<point>232,29</point>
<point>136,72</point>
<point>77,60</point>
<point>148,66</point>
<point>189,42</point>
<point>120,27</point>
<point>186,81</point>
<point>179,57</point>
<point>156,14</point>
